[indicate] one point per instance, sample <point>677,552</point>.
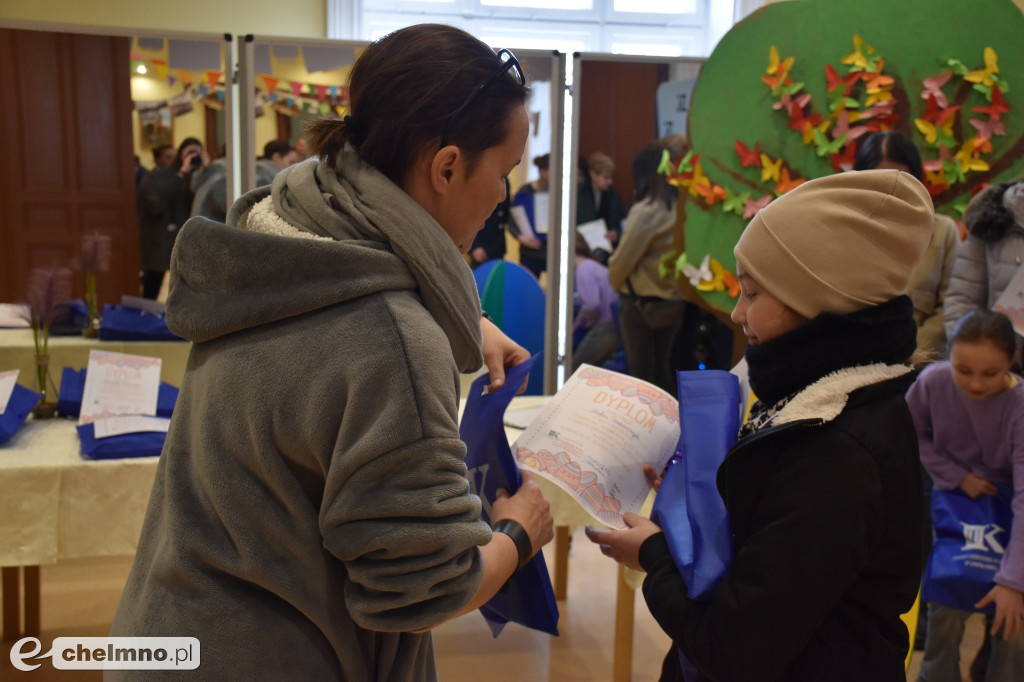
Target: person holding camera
<point>165,199</point>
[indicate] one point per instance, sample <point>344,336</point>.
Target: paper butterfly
<point>752,206</point>
<point>785,184</point>
<point>933,88</point>
<point>997,108</point>
<point>695,275</point>
<point>769,168</point>
<point>734,203</point>
<point>748,157</point>
<point>986,129</point>
<point>774,64</point>
<point>985,76</point>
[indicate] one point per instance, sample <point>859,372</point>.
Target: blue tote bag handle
<point>527,598</point>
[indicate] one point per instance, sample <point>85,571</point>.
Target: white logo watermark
<point>110,653</point>
<point>978,537</point>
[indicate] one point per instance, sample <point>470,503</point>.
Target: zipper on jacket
<point>758,436</point>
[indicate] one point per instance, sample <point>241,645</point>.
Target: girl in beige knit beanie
<point>822,487</point>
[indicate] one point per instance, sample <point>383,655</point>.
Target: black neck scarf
<point>885,333</point>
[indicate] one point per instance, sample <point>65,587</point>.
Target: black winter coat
<point>826,523</point>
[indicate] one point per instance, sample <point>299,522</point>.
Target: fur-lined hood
<point>826,398</point>
<point>987,218</point>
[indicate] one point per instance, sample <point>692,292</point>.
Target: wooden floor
<point>80,598</point>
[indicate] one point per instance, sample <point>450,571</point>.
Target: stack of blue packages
<point>121,323</point>
<point>144,444</point>
<point>19,406</point>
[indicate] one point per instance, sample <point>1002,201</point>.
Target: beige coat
<point>646,239</point>
<point>928,285</point>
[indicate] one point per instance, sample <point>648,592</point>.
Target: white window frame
<point>600,26</point>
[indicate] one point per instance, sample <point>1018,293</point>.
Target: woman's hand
<point>624,545</point>
<point>1009,611</point>
<point>500,352</point>
<point>976,486</point>
<point>529,508</point>
<point>652,477</point>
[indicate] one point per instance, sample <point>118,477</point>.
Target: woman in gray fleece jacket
<point>311,517</point>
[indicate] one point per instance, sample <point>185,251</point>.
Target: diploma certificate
<point>594,437</point>
<point>119,384</point>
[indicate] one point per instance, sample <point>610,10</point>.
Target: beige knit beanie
<point>840,243</point>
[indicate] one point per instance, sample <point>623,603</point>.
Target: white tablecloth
<point>56,504</point>
<point>17,351</point>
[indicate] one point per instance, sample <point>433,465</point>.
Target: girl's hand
<point>624,545</point>
<point>976,486</point>
<point>652,477</point>
<point>500,352</point>
<point>1009,611</point>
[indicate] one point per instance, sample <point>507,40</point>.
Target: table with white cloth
<point>57,504</point>
<point>18,351</point>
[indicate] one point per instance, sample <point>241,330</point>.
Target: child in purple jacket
<point>969,415</point>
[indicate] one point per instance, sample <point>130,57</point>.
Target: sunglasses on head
<point>509,64</point>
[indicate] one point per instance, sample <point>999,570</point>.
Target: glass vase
<point>92,328</point>
<point>47,405</point>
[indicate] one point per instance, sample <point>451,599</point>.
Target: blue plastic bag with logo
<point>528,598</point>
<point>970,540</point>
<point>688,507</point>
<point>19,405</point>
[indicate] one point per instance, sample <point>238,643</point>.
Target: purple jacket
<point>957,435</point>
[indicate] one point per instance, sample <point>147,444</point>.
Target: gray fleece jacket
<point>988,259</point>
<point>311,508</point>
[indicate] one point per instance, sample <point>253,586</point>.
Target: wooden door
<point>66,158</point>
<point>619,113</point>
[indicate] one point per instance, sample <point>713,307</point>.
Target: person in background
<point>533,253</point>
<point>930,281</point>
<point>489,243</point>
<point>969,415</point>
<point>301,149</point>
<point>634,273</point>
<point>991,254</point>
<point>277,155</point>
<point>311,517</point>
<point>164,204</point>
<point>210,191</point>
<point>598,200</point>
<point>823,486</point>
<point>595,323</point>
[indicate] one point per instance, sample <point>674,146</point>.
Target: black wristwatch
<point>519,536</point>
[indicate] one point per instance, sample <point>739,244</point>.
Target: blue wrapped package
<point>528,598</point>
<point>142,444</point>
<point>970,542</point>
<point>130,324</point>
<point>18,408</point>
<point>688,506</point>
<point>72,386</point>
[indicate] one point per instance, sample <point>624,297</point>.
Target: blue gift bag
<point>72,386</point>
<point>18,407</point>
<point>970,540</point>
<point>528,598</point>
<point>130,324</point>
<point>143,444</point>
<point>688,507</point>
